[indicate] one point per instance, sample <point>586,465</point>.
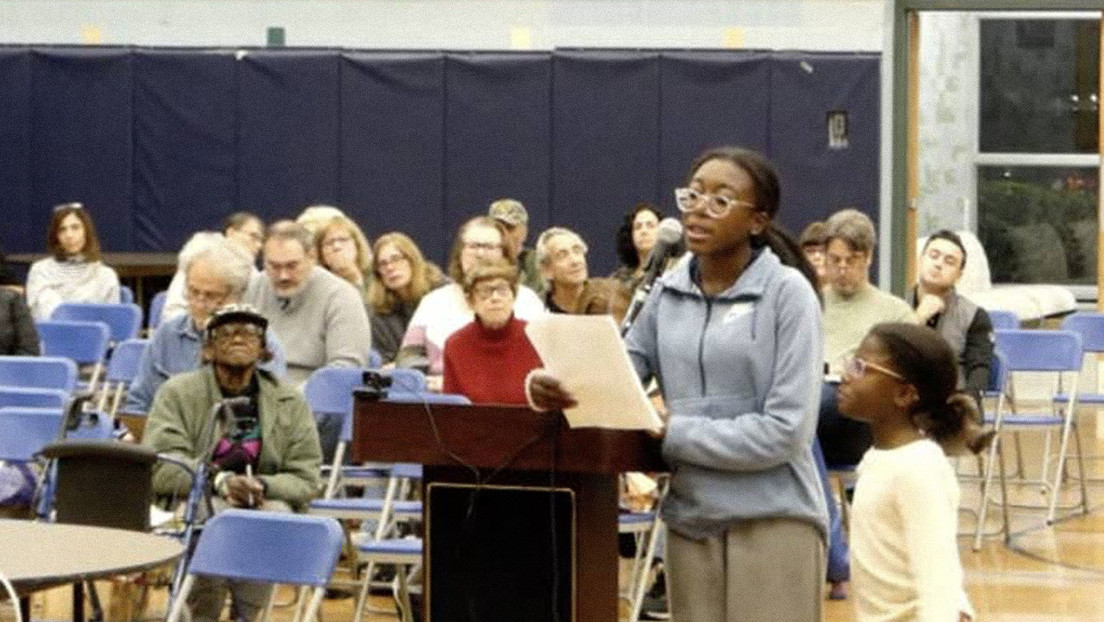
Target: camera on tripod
<point>376,385</point>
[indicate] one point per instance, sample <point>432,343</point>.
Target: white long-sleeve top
<point>904,553</point>
<point>51,282</point>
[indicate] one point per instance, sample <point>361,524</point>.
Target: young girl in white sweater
<point>904,555</point>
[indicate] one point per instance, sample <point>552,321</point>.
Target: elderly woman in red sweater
<point>488,359</point>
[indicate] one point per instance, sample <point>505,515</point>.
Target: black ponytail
<point>925,360</point>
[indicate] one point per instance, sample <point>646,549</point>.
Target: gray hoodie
<point>741,375</point>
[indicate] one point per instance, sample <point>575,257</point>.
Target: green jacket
<point>290,457</point>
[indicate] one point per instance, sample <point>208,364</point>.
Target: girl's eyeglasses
<point>856,367</point>
<point>716,205</point>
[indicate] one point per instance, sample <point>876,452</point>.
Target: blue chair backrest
<point>157,306</point>
<point>330,389</point>
<point>428,398</point>
<point>82,342</point>
<point>26,431</point>
<point>408,470</point>
<point>123,320</point>
<point>1040,350</point>
<point>268,546</point>
<point>1002,320</point>
<point>93,425</point>
<point>1090,325</point>
<point>123,366</point>
<point>38,372</point>
<point>375,359</point>
<point>126,294</point>
<point>33,398</point>
<point>405,380</point>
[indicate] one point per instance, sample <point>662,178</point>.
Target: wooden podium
<point>535,538</point>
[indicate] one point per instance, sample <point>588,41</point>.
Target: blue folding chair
<point>38,372</point>
<point>123,320</point>
<point>126,294</point>
<point>269,547</point>
<point>84,343</point>
<point>26,431</point>
<point>646,528</point>
<point>406,380</point>
<point>157,307</point>
<point>1003,320</point>
<point>1049,351</point>
<point>329,393</point>
<point>122,369</point>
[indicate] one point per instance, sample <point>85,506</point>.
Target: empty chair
<point>26,431</point>
<point>38,372</point>
<point>269,547</point>
<point>157,307</point>
<point>405,380</point>
<point>123,320</point>
<point>646,527</point>
<point>329,393</point>
<point>1052,351</point>
<point>126,294</point>
<point>1003,320</point>
<point>121,370</point>
<point>84,343</point>
<point>1090,325</point>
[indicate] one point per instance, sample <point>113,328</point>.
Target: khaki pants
<point>769,569</point>
<point>249,597</point>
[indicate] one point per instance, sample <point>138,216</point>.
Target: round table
<point>36,556</point>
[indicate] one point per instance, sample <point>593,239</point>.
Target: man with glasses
<point>215,276</point>
<point>964,325</point>
<point>319,317</point>
<point>562,257</point>
<point>264,452</point>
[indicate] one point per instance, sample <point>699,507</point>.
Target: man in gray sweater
<point>319,318</point>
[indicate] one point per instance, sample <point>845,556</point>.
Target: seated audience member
<point>341,248</point>
<point>488,359</point>
<point>635,240</point>
<point>241,228</point>
<point>267,457</point>
<point>964,325</point>
<point>215,276</point>
<point>852,306</point>
<point>445,310</point>
<point>315,216</point>
<point>562,256</point>
<point>247,231</point>
<point>74,272</point>
<point>515,219</point>
<point>319,317</point>
<point>18,335</point>
<point>401,277</point>
<point>812,241</point>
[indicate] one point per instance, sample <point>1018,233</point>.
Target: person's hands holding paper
<point>548,393</point>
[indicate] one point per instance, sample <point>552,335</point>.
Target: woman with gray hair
<point>216,275</point>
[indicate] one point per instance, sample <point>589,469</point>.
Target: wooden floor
<point>1049,573</point>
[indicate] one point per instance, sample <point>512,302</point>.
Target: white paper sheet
<point>586,354</point>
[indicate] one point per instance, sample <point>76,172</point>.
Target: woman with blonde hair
<point>400,278</point>
<point>342,248</point>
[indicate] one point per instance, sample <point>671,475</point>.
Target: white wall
<point>451,24</point>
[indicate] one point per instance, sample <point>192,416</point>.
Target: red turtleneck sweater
<point>489,365</point>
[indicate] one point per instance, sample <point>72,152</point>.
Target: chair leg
<point>986,481</point>
<point>362,599</point>
<point>1059,469</point>
<point>1081,469</point>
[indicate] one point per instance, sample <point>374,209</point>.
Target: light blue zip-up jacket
<point>740,373</point>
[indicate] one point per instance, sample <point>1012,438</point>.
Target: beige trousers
<point>769,569</point>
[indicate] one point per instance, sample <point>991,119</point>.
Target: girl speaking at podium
<point>733,336</point>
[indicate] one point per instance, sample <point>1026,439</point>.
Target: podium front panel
<point>500,553</point>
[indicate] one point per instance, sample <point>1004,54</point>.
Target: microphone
<point>668,244</point>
